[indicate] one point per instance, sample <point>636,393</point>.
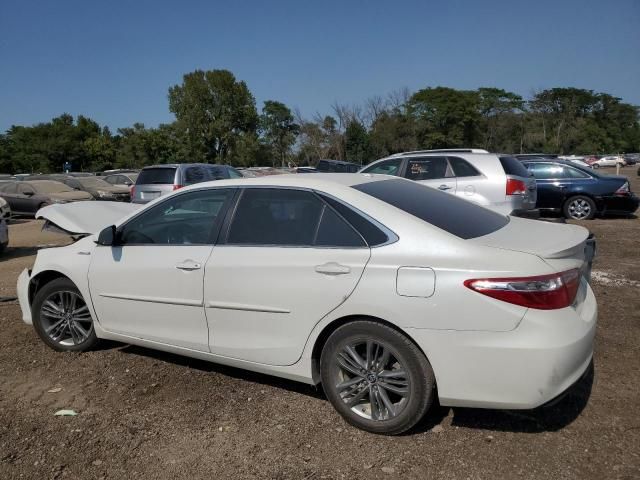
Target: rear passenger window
<point>266,216</point>
<point>335,232</point>
<point>373,234</point>
<point>546,171</point>
<point>462,168</point>
<point>428,168</point>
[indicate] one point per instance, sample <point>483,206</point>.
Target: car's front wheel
<point>62,318</point>
<point>376,377</point>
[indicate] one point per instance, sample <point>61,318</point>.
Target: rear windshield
<point>443,210</point>
<point>49,186</point>
<point>513,166</point>
<point>149,176</point>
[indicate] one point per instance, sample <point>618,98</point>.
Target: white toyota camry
<point>375,287</point>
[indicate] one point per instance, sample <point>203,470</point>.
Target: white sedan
<point>375,287</point>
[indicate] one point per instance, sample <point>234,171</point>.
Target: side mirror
<point>107,236</point>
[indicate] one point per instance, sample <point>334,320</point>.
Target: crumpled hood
<point>86,217</point>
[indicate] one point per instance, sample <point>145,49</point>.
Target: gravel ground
<point>146,414</point>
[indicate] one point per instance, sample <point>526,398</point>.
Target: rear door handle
<point>444,187</point>
<point>332,268</point>
<point>188,265</point>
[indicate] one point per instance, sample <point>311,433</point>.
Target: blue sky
<point>115,60</point>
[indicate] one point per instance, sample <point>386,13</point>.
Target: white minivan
<point>496,181</point>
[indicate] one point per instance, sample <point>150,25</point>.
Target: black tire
<point>595,165</point>
<point>579,207</point>
<point>42,319</point>
<point>420,379</point>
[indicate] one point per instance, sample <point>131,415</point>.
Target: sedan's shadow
<point>547,418</point>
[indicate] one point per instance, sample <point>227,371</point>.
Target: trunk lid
<point>562,246</point>
<point>85,218</point>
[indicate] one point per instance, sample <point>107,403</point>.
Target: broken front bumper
<point>23,295</point>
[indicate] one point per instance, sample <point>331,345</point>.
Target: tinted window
<point>371,233</point>
<point>513,166</point>
<point>191,218</point>
<point>112,180</point>
<point>550,171</point>
<point>448,212</point>
<point>462,168</point>
<point>217,172</point>
<point>428,168</point>
<point>233,173</point>
<point>8,188</point>
<point>335,232</point>
<point>194,175</point>
<point>266,216</point>
<point>25,189</point>
<point>570,172</point>
<point>156,176</point>
<point>324,166</point>
<point>387,167</point>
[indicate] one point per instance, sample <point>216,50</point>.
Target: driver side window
<point>191,218</point>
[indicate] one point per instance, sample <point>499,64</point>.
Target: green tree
<point>278,129</point>
<point>357,147</point>
<point>214,110</point>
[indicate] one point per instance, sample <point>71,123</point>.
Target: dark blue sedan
<point>579,192</point>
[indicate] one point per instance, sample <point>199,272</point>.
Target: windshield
<point>93,182</point>
<point>443,210</point>
<point>49,186</point>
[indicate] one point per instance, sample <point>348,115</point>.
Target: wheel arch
<point>41,279</point>
<point>331,327</point>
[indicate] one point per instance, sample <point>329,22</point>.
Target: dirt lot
<point>143,414</point>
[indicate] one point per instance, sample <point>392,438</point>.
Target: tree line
<point>217,121</point>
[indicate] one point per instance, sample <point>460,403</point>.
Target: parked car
<point>534,156</point>
<point>608,161</point>
<point>578,160</point>
<point>159,180</point>
<point>631,158</point>
<point>498,182</point>
<point>127,179</point>
<point>418,288</point>
<point>26,197</point>
<point>580,193</point>
<point>96,186</point>
<point>336,166</point>
<point>5,215</point>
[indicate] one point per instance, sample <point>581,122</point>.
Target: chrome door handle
<point>332,268</point>
<point>444,187</point>
<point>188,265</point>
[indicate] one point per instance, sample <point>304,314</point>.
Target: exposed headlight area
<point>104,194</point>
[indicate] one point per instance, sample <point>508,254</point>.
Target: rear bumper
<point>619,204</point>
<point>521,369</point>
<point>532,214</point>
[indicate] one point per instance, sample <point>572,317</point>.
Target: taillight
<point>516,187</point>
<point>544,292</point>
<point>132,191</point>
<point>176,187</point>
<point>623,191</point>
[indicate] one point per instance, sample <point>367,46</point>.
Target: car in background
<point>5,215</point>
<point>577,159</point>
<point>608,161</point>
<point>336,166</point>
<point>580,193</point>
<point>498,182</point>
<point>26,197</point>
<point>158,180</point>
<point>126,179</point>
<point>414,288</point>
<point>96,186</point>
<point>631,158</point>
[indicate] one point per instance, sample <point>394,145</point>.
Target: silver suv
<point>499,182</point>
<point>158,180</point>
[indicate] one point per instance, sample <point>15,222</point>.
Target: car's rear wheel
<point>579,208</point>
<point>62,318</point>
<point>376,377</point>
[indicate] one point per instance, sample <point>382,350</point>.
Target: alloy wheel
<point>579,209</point>
<point>371,380</point>
<point>65,318</point>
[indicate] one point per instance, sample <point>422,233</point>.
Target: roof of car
<point>174,165</point>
